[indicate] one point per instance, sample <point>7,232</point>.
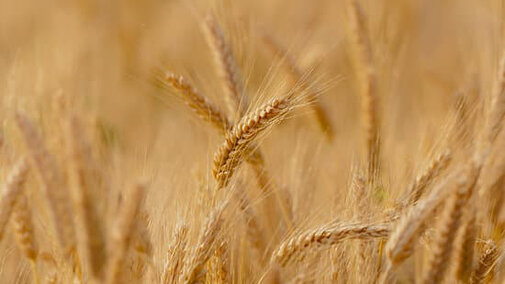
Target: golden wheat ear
<point>198,103</point>
<point>367,76</point>
<point>52,184</point>
<point>85,180</point>
<point>122,234</point>
<point>448,227</point>
<point>227,67</point>
<point>486,264</point>
<point>194,269</point>
<point>327,236</point>
<point>176,255</point>
<point>238,141</point>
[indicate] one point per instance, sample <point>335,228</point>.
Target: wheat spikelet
<point>227,67</point>
<point>195,101</point>
<point>435,168</point>
<point>12,188</point>
<point>52,184</point>
<point>450,222</point>
<point>399,246</point>
<point>327,236</point>
<point>204,247</point>
<point>231,152</point>
<point>487,261</point>
<point>176,254</point>
<point>123,232</point>
<point>84,182</point>
<point>369,93</point>
<point>296,75</point>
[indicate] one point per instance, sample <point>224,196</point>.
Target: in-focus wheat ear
<point>52,184</point>
<point>231,153</point>
<point>486,264</point>
<point>12,188</point>
<point>122,233</point>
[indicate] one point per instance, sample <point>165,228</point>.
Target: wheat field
<point>268,141</point>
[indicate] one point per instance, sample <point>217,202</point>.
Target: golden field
<point>269,141</point>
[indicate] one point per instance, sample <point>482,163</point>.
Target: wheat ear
<point>467,236</point>
<point>84,182</point>
<point>123,232</point>
<point>297,77</point>
<point>52,184</point>
<point>422,181</point>
<point>238,140</point>
<point>496,111</point>
<point>448,227</point>
<point>176,255</point>
<point>202,107</point>
<point>206,243</point>
<point>487,261</point>
<point>369,93</point>
<point>227,67</point>
<point>12,188</point>
<point>410,226</point>
<point>327,236</point>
